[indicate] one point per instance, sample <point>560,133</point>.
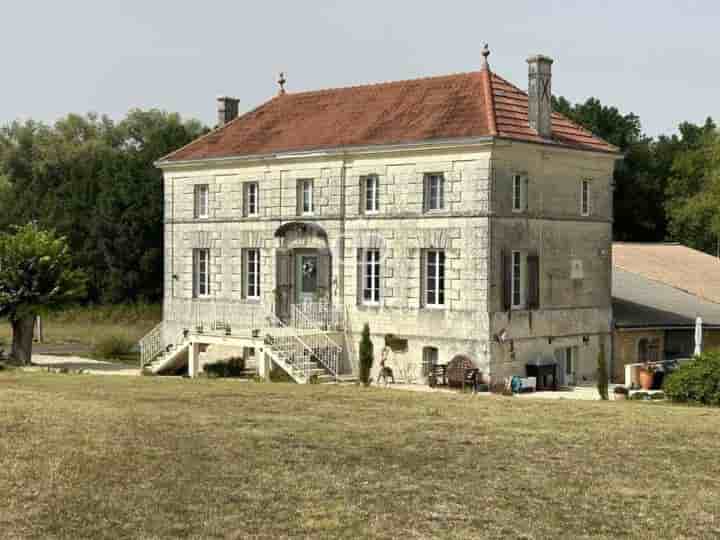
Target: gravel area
<point>78,364</point>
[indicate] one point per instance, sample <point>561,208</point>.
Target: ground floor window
<point>371,276</point>
<point>201,273</point>
<point>434,278</point>
<point>252,274</point>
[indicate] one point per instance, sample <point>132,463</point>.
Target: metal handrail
<point>330,363</point>
<point>151,345</point>
<point>309,351</point>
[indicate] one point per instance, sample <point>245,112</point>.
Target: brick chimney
<point>539,94</point>
<point>227,109</point>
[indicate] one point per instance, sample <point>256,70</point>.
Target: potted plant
<point>621,392</point>
<point>228,330</point>
<point>647,374</point>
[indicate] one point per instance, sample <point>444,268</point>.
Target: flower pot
<point>646,379</point>
<point>620,396</point>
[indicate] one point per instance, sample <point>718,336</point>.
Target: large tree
<point>36,275</point>
<point>693,190</point>
<point>93,181</point>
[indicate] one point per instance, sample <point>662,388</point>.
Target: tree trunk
<point>23,340</point>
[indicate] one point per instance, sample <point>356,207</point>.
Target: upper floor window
<point>585,197</point>
<point>370,261</point>
<point>434,278</point>
<point>202,201</point>
<point>434,192</point>
<point>371,187</point>
<point>201,273</point>
<point>305,196</point>
<point>251,199</point>
<point>517,280</point>
<point>519,193</point>
<point>252,274</point>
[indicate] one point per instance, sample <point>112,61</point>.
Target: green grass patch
<point>146,457</point>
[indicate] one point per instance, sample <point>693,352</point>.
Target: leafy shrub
<point>232,367</point>
<point>114,346</point>
<point>366,355</point>
<point>697,381</point>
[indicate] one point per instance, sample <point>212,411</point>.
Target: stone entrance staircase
<point>301,348</point>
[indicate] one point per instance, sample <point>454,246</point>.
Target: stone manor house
<point>458,213</point>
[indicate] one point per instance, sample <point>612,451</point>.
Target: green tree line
<point>666,188</point>
<point>93,181</point>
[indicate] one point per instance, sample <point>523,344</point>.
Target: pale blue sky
<point>658,58</point>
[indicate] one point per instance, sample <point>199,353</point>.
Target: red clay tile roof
<point>478,104</point>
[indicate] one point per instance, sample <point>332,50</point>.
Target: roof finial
<point>484,62</point>
<point>281,82</point>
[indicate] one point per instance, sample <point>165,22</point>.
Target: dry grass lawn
<point>106,457</point>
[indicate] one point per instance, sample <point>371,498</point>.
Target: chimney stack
<point>227,109</point>
<point>540,94</point>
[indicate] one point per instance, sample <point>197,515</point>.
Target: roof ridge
<point>486,76</point>
<point>382,84</point>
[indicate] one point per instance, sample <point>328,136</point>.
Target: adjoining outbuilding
<point>659,291</point>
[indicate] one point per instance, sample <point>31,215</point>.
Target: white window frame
<point>202,201</point>
<point>371,194</point>
<point>252,190</point>
<point>370,294</point>
<point>201,272</point>
<point>436,274</point>
<point>517,271</point>
<point>434,188</point>
<point>585,186</point>
<point>251,273</point>
<point>519,193</point>
<point>307,196</point>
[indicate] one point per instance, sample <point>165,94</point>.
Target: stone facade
<point>474,229</point>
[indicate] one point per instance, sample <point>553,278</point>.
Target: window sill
<point>434,307</point>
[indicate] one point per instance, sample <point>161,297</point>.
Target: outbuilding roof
<point>664,285</point>
<point>458,106</point>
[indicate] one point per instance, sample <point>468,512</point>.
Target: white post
<point>193,359</point>
<point>263,364</point>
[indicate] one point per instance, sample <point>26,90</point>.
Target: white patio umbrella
<point>698,336</point>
